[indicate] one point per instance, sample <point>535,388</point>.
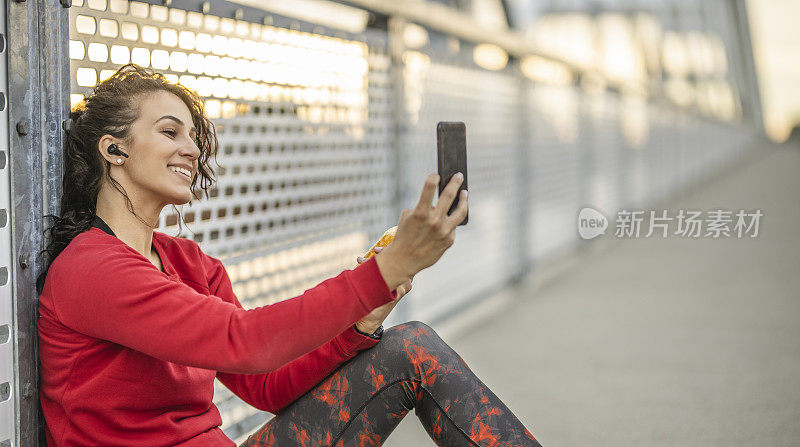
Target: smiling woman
<point>134,327</point>
<point>160,150</point>
<point>126,140</point>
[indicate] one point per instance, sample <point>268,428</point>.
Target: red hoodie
<point>129,353</point>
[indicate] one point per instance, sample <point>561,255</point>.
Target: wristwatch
<point>375,335</point>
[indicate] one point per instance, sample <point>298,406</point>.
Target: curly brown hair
<point>111,109</point>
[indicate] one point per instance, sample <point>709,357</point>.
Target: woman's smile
<point>180,172</point>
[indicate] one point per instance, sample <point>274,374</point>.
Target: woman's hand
<point>370,322</point>
<point>424,232</point>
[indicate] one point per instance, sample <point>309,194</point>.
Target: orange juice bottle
<point>384,241</point>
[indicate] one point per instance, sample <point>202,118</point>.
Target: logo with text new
<point>591,223</point>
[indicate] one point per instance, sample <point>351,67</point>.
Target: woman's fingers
<point>404,288</point>
<point>362,259</point>
<point>448,195</point>
<point>460,212</point>
<point>426,198</point>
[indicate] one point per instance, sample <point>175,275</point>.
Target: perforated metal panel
<point>606,147</point>
<point>443,87</point>
<point>634,129</point>
<point>625,154</point>
<point>558,165</point>
<point>8,388</point>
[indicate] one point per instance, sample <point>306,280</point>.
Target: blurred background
<point>326,114</point>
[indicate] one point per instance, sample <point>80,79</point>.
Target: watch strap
<point>375,335</point>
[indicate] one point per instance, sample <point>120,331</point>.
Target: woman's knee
<point>415,333</point>
<point>411,330</point>
<point>416,345</point>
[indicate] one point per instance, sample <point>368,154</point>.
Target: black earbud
<point>113,149</point>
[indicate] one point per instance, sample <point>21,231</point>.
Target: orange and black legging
<point>362,402</point>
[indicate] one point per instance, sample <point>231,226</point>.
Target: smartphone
<point>451,145</point>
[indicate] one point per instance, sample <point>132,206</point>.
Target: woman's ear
<point>102,147</point>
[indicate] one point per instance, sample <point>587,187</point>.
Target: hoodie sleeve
<point>275,390</point>
<point>114,293</point>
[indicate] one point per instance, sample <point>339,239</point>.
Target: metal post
<point>9,409</point>
<point>751,106</point>
<point>25,161</point>
<point>38,95</point>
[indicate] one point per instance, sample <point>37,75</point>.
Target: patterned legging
<point>362,402</point>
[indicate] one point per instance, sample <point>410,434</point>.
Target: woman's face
<point>163,138</point>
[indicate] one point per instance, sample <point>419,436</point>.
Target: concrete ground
<point>657,342</point>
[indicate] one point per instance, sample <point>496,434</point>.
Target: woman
<point>135,326</point>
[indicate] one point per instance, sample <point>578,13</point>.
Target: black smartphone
<point>451,145</point>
